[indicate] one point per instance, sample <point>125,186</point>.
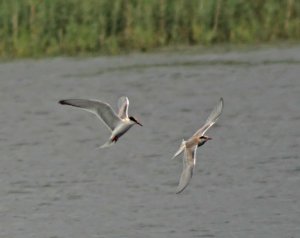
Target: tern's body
<point>119,123</point>
<point>189,147</point>
<point>122,127</point>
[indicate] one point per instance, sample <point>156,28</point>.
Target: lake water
<point>55,183</point>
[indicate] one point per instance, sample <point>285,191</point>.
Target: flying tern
<point>118,124</point>
<point>189,147</point>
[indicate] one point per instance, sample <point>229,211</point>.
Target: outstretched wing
<point>213,117</point>
<point>123,104</point>
<point>101,109</point>
<point>189,162</point>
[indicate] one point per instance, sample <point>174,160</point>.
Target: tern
<point>189,147</point>
<point>118,124</point>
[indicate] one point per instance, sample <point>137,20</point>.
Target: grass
<point>54,27</point>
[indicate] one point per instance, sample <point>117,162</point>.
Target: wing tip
<point>181,187</point>
<point>124,97</point>
<point>62,102</point>
<point>220,106</point>
<point>222,101</point>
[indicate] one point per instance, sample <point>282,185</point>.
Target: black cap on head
<point>205,137</point>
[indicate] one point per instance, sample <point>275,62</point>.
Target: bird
<point>118,123</point>
<point>189,147</point>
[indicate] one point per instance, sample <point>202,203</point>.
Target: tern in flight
<point>189,147</point>
<point>118,124</point>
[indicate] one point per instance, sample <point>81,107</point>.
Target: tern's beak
<point>208,138</point>
<point>138,123</point>
<point>135,120</point>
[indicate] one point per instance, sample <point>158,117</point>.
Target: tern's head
<point>135,121</point>
<point>203,139</point>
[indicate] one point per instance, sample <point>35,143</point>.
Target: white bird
<point>190,147</point>
<point>117,124</point>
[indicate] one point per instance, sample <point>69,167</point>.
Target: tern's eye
<point>202,137</point>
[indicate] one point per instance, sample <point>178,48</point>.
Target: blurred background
<point>55,27</point>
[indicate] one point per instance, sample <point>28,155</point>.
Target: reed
<point>52,27</point>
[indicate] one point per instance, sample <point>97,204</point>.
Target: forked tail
<point>107,144</point>
<point>112,141</point>
<point>180,150</point>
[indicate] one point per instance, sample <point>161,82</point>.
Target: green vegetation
<point>51,27</point>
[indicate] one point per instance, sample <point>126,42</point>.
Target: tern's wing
<point>213,117</point>
<point>123,104</point>
<point>189,162</point>
<point>101,109</point>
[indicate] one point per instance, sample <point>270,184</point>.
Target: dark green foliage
<point>51,27</point>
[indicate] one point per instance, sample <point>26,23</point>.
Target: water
<point>55,183</point>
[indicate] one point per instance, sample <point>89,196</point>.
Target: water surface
<point>55,183</point>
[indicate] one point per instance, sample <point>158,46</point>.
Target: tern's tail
<point>180,150</point>
<point>107,144</point>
